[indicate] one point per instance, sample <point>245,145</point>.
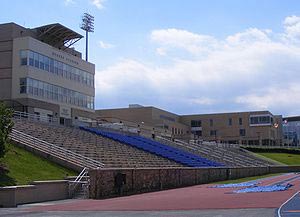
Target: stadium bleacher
<point>111,153</point>
<point>119,149</point>
<point>157,148</point>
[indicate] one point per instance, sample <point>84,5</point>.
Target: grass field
<point>25,167</point>
<point>285,158</point>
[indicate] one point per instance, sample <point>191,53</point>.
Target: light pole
<point>88,26</point>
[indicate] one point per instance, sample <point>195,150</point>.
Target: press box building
<point>41,74</point>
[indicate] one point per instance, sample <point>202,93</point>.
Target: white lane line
<point>279,210</point>
<point>290,179</point>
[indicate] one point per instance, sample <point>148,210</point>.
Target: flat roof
<point>294,118</point>
<point>57,35</point>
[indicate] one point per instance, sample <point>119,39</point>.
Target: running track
<point>189,198</point>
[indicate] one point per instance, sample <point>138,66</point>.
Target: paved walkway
<point>188,213</point>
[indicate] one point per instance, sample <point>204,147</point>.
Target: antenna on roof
<point>88,26</point>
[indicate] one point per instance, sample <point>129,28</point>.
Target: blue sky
<point>192,56</point>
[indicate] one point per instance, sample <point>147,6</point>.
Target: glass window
<point>230,121</point>
<point>35,87</point>
<point>31,58</point>
<point>30,85</point>
<point>260,120</point>
<point>72,73</point>
<point>242,132</point>
<point>23,85</point>
<point>65,66</point>
<point>196,123</point>
<point>41,59</point>
<point>211,122</point>
<point>42,62</point>
<point>47,63</point>
<point>24,57</point>
<point>55,92</point>
<point>41,89</point>
<point>36,60</point>
<point>60,68</point>
<point>49,91</point>
<point>240,121</point>
<point>52,65</point>
<point>213,132</point>
<point>198,133</point>
<point>55,67</point>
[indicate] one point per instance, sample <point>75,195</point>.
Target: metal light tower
<point>88,26</point>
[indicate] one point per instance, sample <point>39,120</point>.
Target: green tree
<point>6,125</point>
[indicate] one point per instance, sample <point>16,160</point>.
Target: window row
<point>48,64</point>
<point>263,119</point>
<point>214,132</point>
<point>198,123</point>
<point>48,91</point>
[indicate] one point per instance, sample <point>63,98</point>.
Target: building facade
<point>248,128</point>
<point>40,74</point>
<point>259,128</point>
<point>291,131</point>
<point>148,118</point>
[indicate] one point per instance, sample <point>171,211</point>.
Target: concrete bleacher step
<point>92,146</point>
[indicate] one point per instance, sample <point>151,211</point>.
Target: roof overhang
<point>57,35</point>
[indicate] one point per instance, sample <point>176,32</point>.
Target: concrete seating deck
<point>113,154</point>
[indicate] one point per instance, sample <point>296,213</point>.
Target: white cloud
<point>251,69</point>
<point>105,45</point>
<point>69,2</point>
<point>202,101</point>
<point>286,96</point>
<point>178,38</point>
<point>248,37</point>
<point>161,51</point>
<point>292,29</point>
<point>98,3</point>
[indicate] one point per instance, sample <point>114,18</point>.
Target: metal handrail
<point>35,117</point>
<point>23,137</point>
<point>81,174</point>
<point>180,144</point>
<point>77,181</point>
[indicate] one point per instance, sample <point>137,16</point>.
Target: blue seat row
<point>157,148</point>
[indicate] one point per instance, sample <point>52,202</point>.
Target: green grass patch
<point>246,179</point>
<point>285,158</point>
<point>25,167</point>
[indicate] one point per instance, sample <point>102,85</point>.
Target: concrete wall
<point>145,180</point>
<point>38,191</point>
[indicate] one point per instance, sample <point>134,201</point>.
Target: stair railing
<point>54,150</point>
<point>78,182</point>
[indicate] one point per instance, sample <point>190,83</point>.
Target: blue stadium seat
<point>157,148</point>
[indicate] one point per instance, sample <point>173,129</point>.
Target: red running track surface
<point>188,198</point>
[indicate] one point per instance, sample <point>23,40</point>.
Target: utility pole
<point>88,26</point>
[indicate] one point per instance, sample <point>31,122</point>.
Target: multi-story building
<point>148,118</point>
<point>41,74</point>
<point>248,128</point>
<point>291,131</point>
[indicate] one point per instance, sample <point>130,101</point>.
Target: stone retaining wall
<point>140,180</point>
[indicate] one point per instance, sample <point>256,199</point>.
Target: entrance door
<point>62,121</point>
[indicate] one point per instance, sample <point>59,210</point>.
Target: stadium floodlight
<point>88,26</point>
